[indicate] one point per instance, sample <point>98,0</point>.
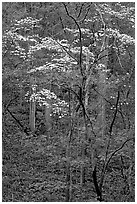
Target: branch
<point>118,54</point>
<point>63,27</point>
<point>85,14</point>
<point>6,107</point>
<point>103,57</point>
<point>68,52</point>
<point>83,107</point>
<point>120,111</point>
<point>80,10</point>
<point>18,122</point>
<point>112,123</point>
<point>112,154</point>
<point>118,149</point>
<point>96,60</point>
<point>107,149</point>
<point>80,37</point>
<point>80,101</point>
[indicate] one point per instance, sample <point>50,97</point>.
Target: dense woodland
<point>68,101</point>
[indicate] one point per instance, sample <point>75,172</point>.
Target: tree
<point>74,61</point>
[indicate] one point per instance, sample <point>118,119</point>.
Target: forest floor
<point>35,171</point>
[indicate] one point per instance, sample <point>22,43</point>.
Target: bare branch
<point>118,149</point>
<point>18,122</point>
<point>107,148</point>
<point>117,54</point>
<point>80,38</point>
<point>6,107</point>
<point>85,14</point>
<point>83,108</point>
<point>116,110</point>
<point>63,27</point>
<point>120,111</point>
<point>107,162</point>
<point>80,10</point>
<point>68,52</point>
<point>112,123</point>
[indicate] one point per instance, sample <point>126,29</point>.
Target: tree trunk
<point>101,122</point>
<point>68,167</point>
<point>21,94</point>
<point>68,154</point>
<point>86,98</point>
<point>68,178</point>
<point>48,117</point>
<point>102,67</point>
<point>32,107</point>
<point>102,87</point>
<point>32,115</point>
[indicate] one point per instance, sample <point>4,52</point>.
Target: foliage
<point>76,60</point>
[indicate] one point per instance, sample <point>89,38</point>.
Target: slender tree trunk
<point>48,117</point>
<point>32,115</point>
<point>21,94</point>
<point>68,155</point>
<point>68,174</point>
<point>82,167</point>
<point>102,87</point>
<point>101,121</point>
<point>86,98</point>
<point>32,107</point>
<point>48,110</point>
<point>102,67</point>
